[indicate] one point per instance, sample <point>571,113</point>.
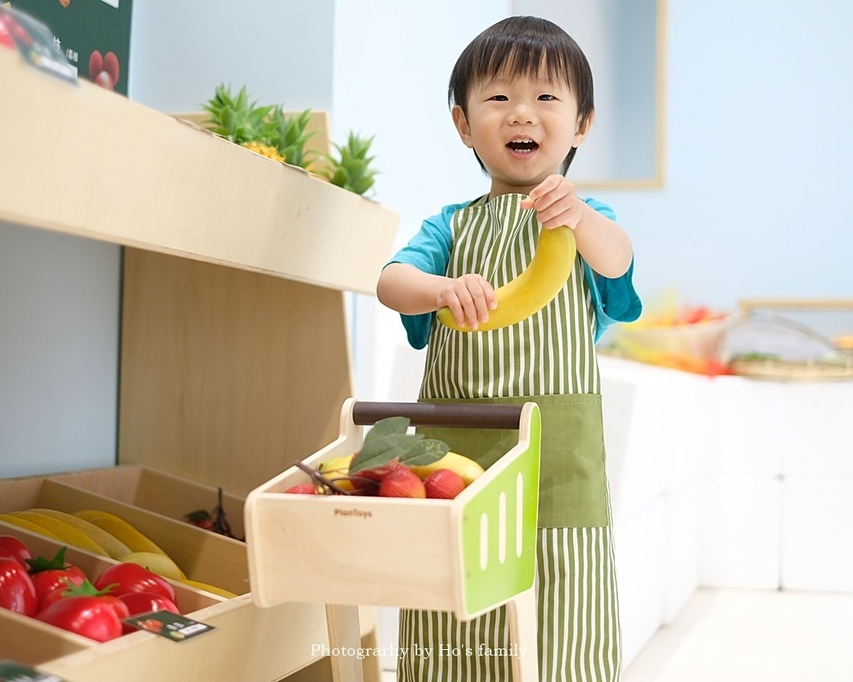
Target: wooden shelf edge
<point>88,162</point>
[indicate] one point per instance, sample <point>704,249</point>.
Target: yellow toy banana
<point>542,279</point>
<point>337,470</point>
<point>114,547</point>
<point>28,525</point>
<point>64,531</point>
<point>213,589</point>
<point>156,563</point>
<point>466,467</point>
<point>121,529</point>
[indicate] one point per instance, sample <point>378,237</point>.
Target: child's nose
<point>522,114</point>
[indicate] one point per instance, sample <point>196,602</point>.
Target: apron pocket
<point>572,481</point>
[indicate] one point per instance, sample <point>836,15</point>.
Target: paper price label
<point>170,625</point>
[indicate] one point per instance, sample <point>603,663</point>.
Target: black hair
<point>518,46</point>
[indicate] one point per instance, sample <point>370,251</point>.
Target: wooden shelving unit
<point>235,354</point>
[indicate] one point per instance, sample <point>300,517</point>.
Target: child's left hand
<point>556,203</point>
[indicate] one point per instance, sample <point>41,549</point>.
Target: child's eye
<point>547,98</point>
<point>498,98</point>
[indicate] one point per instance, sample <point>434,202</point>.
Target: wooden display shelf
<point>85,161</point>
<point>234,348</point>
<point>234,344</point>
<point>241,646</point>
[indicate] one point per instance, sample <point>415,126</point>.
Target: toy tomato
<point>50,575</point>
<point>17,592</point>
<point>58,579</point>
<point>95,617</point>
<point>13,548</point>
<point>145,602</point>
<point>129,577</point>
<point>66,589</point>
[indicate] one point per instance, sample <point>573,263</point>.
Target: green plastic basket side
<point>495,569</point>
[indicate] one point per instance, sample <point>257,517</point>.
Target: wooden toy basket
<point>467,555</point>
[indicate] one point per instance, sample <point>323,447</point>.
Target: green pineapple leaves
<point>289,135</point>
<point>352,169</point>
<point>241,120</point>
<point>237,118</point>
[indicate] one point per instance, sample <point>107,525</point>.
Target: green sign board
<point>94,35</point>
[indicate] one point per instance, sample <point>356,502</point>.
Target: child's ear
<point>462,127</point>
<point>582,128</point>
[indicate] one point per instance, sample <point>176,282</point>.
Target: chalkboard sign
<point>94,36</point>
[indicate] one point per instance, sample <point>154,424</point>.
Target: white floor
<point>725,635</point>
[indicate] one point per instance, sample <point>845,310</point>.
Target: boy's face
<point>521,128</point>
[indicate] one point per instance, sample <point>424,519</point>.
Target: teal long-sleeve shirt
<point>614,300</point>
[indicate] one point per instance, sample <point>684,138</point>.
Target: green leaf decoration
<point>425,452</point>
<point>388,440</point>
<point>390,446</point>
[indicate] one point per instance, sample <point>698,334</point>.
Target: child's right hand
<point>469,297</point>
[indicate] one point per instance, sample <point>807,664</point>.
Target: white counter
<point>724,481</point>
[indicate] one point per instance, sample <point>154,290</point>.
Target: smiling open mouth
<point>522,145</point>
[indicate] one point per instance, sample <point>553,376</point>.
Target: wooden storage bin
<point>245,641</point>
<point>156,490</point>
<point>129,491</point>
<point>466,555</point>
<point>33,642</point>
<point>201,554</point>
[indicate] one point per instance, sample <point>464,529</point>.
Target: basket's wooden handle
<point>460,415</point>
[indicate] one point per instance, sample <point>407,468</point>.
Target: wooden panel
<point>123,173</point>
<point>119,483</point>
<point>19,493</point>
<point>227,376</point>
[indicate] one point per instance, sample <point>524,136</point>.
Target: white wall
<point>59,318</point>
<point>281,52</point>
<point>758,149</point>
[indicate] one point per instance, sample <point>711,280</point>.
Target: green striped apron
<point>549,358</point>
